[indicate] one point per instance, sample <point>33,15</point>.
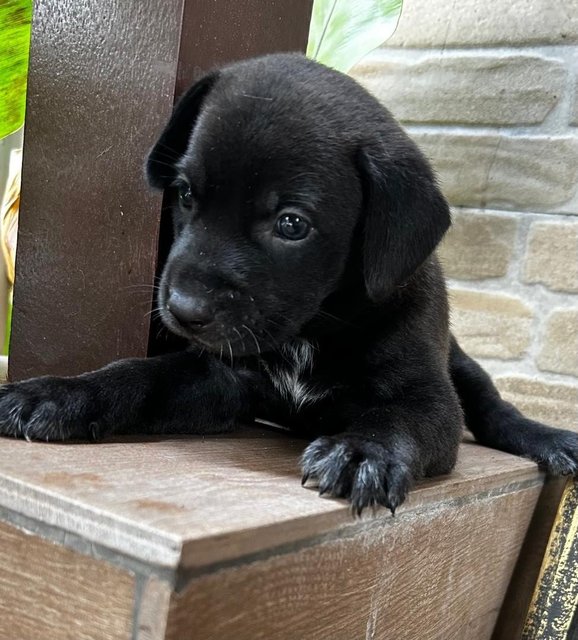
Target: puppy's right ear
<point>173,142</point>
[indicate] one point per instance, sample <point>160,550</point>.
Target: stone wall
<point>489,91</point>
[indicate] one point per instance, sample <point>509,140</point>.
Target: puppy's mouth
<point>224,340</point>
<point>222,337</point>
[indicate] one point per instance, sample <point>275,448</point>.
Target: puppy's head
<point>279,171</point>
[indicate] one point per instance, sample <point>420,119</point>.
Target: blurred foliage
<point>15,29</point>
<point>342,32</point>
<point>9,208</point>
<point>15,22</point>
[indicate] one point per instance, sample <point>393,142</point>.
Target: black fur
<point>341,335</point>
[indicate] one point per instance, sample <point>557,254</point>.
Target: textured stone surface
<point>520,89</point>
<point>425,23</point>
<point>574,115</point>
<point>552,255</point>
<point>478,245</point>
<point>559,352</point>
<point>511,172</point>
<point>554,404</point>
<point>490,325</point>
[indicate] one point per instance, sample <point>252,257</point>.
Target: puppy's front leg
<point>385,447</point>
<point>176,393</point>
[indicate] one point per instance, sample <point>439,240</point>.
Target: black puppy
<point>304,276</point>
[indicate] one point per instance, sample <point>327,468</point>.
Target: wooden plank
<point>226,515</point>
<point>198,501</point>
<point>49,592</point>
<point>101,81</point>
<point>152,614</point>
<point>246,28</point>
<point>515,606</point>
<point>436,575</point>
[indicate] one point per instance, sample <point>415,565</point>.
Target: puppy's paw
<point>49,408</point>
<point>366,472</point>
<point>557,452</point>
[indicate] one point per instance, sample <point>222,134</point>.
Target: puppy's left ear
<point>405,213</point>
<point>172,144</point>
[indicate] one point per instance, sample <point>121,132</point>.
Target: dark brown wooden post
<point>103,77</point>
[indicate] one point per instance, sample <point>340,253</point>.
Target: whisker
<point>141,288</point>
<point>169,157</point>
<point>156,310</point>
<point>166,146</point>
<point>230,351</point>
<point>254,338</point>
<point>271,338</point>
<point>166,164</point>
<point>240,337</point>
<point>330,316</point>
<point>160,331</point>
<point>146,302</point>
<point>274,322</point>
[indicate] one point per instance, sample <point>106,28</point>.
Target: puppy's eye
<point>185,195</point>
<point>292,226</point>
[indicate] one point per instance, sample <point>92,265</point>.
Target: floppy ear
<point>172,144</point>
<point>405,214</point>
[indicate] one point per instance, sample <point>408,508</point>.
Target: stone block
<point>504,172</point>
<point>478,245</point>
<point>559,351</point>
<point>490,325</point>
<point>552,255</point>
<point>464,89</point>
<point>438,23</point>
<point>555,404</point>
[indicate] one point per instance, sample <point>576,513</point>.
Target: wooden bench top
<point>192,501</point>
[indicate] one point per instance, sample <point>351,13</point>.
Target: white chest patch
<point>290,377</point>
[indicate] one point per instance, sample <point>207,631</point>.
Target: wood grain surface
<point>197,501</point>
<point>225,543</point>
<point>48,592</point>
<point>244,28</point>
<point>440,575</point>
<point>515,606</point>
<point>101,83</point>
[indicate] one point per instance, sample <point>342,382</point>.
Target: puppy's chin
<point>177,329</point>
<point>204,337</point>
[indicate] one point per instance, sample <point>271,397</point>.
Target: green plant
<point>342,32</point>
<point>15,17</point>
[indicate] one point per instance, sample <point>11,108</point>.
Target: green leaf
<point>342,32</point>
<point>6,346</point>
<point>15,19</point>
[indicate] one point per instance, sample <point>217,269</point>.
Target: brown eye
<point>292,226</point>
<point>185,195</point>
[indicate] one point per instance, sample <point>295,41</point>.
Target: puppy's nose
<point>192,311</point>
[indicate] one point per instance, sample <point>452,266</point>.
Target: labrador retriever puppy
<point>303,275</point>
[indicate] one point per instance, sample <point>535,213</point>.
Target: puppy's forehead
<point>241,120</point>
<point>240,139</point>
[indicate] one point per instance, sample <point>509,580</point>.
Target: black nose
<point>190,310</point>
